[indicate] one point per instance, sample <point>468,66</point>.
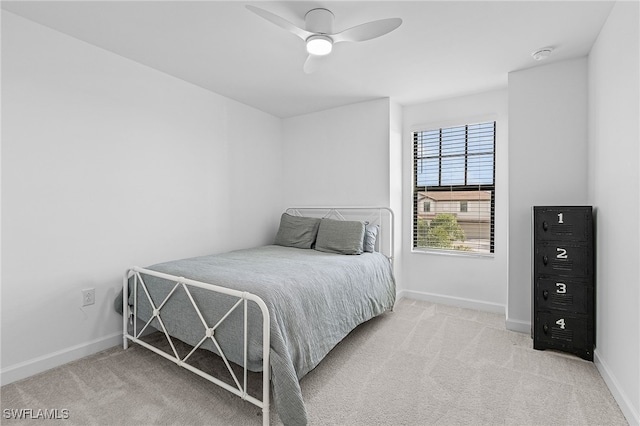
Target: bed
<point>277,309</point>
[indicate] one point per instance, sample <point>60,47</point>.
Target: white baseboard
<point>518,325</point>
<point>453,301</point>
<point>28,368</point>
<point>630,413</point>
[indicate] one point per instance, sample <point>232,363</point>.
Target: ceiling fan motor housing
<point>319,21</point>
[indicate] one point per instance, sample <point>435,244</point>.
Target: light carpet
<point>422,364</point>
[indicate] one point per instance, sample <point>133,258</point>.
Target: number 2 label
<point>562,253</point>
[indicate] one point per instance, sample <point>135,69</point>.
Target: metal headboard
<point>381,216</point>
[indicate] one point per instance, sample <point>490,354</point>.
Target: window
<point>427,206</point>
<point>454,172</point>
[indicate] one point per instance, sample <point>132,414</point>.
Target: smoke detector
<point>542,54</point>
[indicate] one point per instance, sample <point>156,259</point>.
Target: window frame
<point>417,189</point>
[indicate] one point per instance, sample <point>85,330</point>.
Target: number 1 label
<point>560,218</point>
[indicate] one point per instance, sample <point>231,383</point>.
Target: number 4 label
<point>560,322</point>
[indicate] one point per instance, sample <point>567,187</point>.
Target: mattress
<point>314,299</point>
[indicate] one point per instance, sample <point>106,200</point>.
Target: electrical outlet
<point>88,296</point>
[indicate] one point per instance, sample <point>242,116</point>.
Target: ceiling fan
<point>318,32</point>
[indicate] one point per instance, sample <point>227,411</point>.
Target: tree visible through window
<point>454,175</point>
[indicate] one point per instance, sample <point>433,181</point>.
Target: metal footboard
<point>240,389</point>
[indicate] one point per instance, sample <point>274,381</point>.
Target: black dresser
<point>563,299</point>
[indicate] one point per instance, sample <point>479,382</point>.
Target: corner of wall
<point>396,184</point>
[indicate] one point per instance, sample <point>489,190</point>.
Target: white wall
<point>105,164</point>
<point>463,280</point>
<point>547,162</point>
<point>614,191</point>
<point>346,156</point>
<point>338,157</point>
<point>396,186</point>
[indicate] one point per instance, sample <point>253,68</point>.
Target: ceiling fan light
<point>319,45</point>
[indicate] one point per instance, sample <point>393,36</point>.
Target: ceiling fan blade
<point>367,31</point>
<point>312,64</point>
<point>281,22</point>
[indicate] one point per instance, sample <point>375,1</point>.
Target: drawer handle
<point>545,226</point>
<point>545,328</point>
<point>545,260</point>
<point>545,294</point>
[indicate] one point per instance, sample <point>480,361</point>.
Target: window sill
<point>453,253</point>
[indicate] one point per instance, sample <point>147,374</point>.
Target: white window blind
<point>454,174</point>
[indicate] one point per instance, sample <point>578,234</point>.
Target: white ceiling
<point>442,49</point>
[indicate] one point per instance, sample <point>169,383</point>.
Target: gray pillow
<point>297,231</point>
<point>370,236</point>
<point>340,236</point>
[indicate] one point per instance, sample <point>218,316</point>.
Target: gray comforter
<point>314,299</point>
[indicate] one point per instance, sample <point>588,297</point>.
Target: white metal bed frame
<point>382,216</point>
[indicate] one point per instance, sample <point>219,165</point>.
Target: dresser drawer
<point>556,329</point>
<point>562,224</point>
<point>563,295</point>
<point>563,259</point>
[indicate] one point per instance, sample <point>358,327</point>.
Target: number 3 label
<point>562,288</point>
